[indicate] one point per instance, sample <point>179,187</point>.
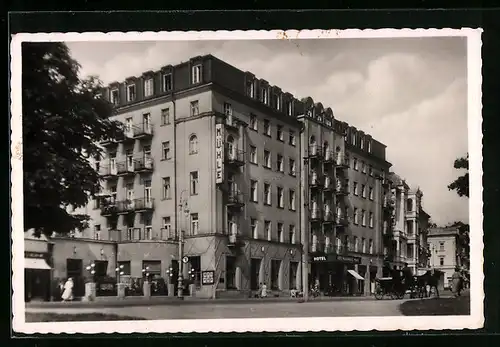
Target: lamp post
<point>183,207</point>
<point>119,272</point>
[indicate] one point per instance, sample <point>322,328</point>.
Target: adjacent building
<point>261,187</point>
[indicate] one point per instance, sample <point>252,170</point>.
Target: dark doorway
<point>195,263</point>
<point>292,282</point>
<point>74,269</point>
<point>231,272</point>
<point>37,284</point>
<point>254,273</point>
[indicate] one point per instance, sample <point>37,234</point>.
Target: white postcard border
<point>474,320</point>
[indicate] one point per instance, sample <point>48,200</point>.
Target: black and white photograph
<point>247,181</point>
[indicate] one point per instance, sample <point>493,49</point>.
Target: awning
<point>355,275</point>
<point>36,264</point>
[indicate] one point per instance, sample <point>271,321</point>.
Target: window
<point>254,228</point>
<point>166,188</point>
<point>363,245</point>
<point>253,191</point>
<point>280,162</point>
<point>356,244</point>
<point>356,217</point>
<point>355,188</point>
<point>441,246</point>
<point>148,87</point>
<point>279,133</point>
<point>370,170</point>
<point>165,150</point>
<point>193,144</point>
<point>370,220</point>
<point>124,268</point>
<point>131,92</point>
<point>354,139</point>
<point>289,108</point>
<point>195,108</point>
<point>167,226</point>
<point>193,178</point>
<point>228,109</point>
<point>267,159</point>
<point>281,198</point>
<point>97,232</point>
<point>369,146</point>
<point>291,138</point>
<point>129,125</point>
<point>264,95</point>
<point>165,116</point>
<point>251,88</point>
<point>363,218</point>
<point>196,74</point>
<point>441,261</point>
<point>370,246</point>
<point>291,233</point>
<point>167,82</point>
<point>363,167</point>
<point>362,143</point>
<point>363,191</point>
<point>148,228</point>
<point>280,232</point>
<point>253,122</point>
<point>267,194</point>
<point>113,96</point>
<point>355,164</point>
<point>267,227</point>
<point>194,224</point>
<point>267,127</point>
<point>370,193</point>
<point>253,155</point>
<point>291,167</point>
<point>291,199</point>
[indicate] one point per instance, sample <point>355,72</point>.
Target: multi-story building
<point>254,181</point>
<point>445,250</point>
<point>406,228</point>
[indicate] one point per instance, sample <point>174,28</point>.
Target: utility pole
<point>305,230</point>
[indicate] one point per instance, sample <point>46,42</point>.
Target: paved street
<point>246,310</point>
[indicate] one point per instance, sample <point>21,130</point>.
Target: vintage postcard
<point>269,181</point>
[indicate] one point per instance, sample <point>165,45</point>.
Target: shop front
<point>336,274</point>
<point>37,275</point>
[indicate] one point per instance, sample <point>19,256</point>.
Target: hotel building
<point>262,187</point>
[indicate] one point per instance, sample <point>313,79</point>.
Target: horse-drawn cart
<point>387,286</point>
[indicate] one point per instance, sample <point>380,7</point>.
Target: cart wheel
<point>379,295</point>
<point>393,296</point>
<point>401,295</point>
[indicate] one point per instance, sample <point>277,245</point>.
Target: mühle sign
<point>219,153</point>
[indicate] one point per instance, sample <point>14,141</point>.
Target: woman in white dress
<point>68,290</point>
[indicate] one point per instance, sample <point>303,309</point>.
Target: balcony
<point>234,239</point>
<point>143,131</point>
<point>125,206</point>
<point>235,199</point>
<point>329,156</point>
<point>108,208</point>
<point>128,134</point>
<point>315,180</point>
<point>341,220</point>
<point>109,142</point>
<point>342,161</point>
<point>233,156</point>
<point>315,214</point>
<point>143,165</point>
<point>315,152</point>
<point>108,172</point>
<point>168,234</point>
<point>328,216</point>
<point>143,205</point>
<point>328,184</point>
<point>125,168</point>
<point>340,190</point>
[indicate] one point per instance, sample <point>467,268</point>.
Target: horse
<point>430,279</point>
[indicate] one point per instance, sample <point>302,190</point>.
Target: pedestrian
<point>263,292</point>
<point>60,288</point>
<point>456,282</point>
<point>68,290</point>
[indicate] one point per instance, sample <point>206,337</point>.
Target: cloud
<point>410,94</point>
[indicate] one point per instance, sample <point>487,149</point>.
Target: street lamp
<point>119,272</point>
<point>183,207</point>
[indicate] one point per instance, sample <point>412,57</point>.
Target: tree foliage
<point>64,117</point>
<point>461,184</point>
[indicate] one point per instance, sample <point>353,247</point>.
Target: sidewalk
<point>173,301</point>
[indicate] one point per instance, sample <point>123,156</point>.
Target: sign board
<point>34,255</point>
<point>185,260</point>
<point>207,277</point>
<point>349,259</point>
<point>319,258</point>
<point>219,153</point>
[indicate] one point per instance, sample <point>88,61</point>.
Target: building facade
<point>445,250</point>
<point>406,229</point>
<point>260,186</point>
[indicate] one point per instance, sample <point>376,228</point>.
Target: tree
<point>461,184</point>
<point>64,118</point>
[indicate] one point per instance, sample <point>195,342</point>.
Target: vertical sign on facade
<point>219,153</point>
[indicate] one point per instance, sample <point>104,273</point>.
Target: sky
<point>408,93</point>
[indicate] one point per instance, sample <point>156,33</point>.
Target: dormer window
<point>113,97</point>
<point>196,74</point>
<point>131,92</point>
<point>289,107</point>
<point>278,102</point>
<point>362,143</point>
<point>167,82</point>
<point>148,87</point>
<point>264,95</point>
<point>353,139</point>
<point>369,146</point>
<point>251,88</point>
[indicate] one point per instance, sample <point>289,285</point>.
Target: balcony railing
<point>341,220</point>
<point>329,156</point>
<point>234,156</point>
<point>235,199</point>
<point>316,213</point>
<point>168,234</point>
<point>143,204</point>
<point>315,179</point>
<point>128,134</point>
<point>342,161</point>
<point>108,171</point>
<point>108,208</point>
<point>142,130</point>
<point>328,183</point>
<point>144,164</point>
<point>234,239</point>
<point>125,168</point>
<point>315,151</point>
<point>328,216</point>
<point>340,189</point>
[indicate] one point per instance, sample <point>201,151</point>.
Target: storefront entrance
<point>37,284</point>
<point>331,273</point>
<point>254,273</point>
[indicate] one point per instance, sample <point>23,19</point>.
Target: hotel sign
<point>319,258</point>
<point>349,259</point>
<point>219,153</point>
